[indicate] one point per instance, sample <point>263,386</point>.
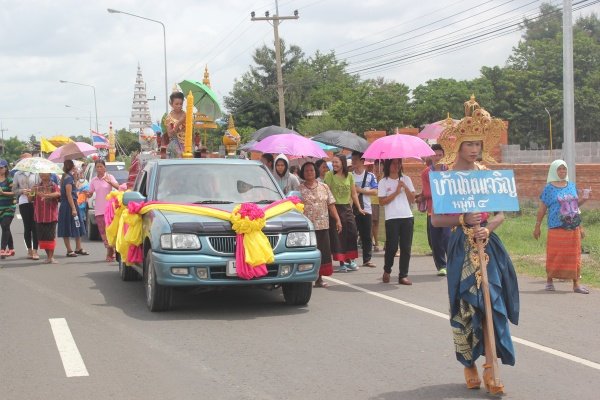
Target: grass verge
<point>528,254</point>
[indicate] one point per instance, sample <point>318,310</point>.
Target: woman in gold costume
<point>175,123</point>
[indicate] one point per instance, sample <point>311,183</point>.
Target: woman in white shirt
<point>396,192</point>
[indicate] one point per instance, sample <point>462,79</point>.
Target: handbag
<point>360,196</point>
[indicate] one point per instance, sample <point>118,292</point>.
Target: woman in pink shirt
<point>102,184</point>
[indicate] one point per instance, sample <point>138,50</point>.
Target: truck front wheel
<point>297,294</point>
<point>158,297</point>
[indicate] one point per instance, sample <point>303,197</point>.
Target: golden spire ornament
<point>206,79</point>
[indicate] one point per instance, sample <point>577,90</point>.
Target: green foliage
<point>128,142</point>
<point>519,92</point>
<point>528,254</point>
<point>13,148</point>
<point>315,125</point>
<point>81,138</point>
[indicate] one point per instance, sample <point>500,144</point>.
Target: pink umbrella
<point>289,144</point>
<point>398,146</point>
<point>72,151</point>
<point>435,129</point>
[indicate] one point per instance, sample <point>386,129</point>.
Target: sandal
<point>369,264</point>
<point>321,284</point>
<point>110,259</point>
<point>35,257</point>
<point>581,290</point>
<point>549,287</point>
<point>82,252</point>
<point>71,254</point>
<point>472,377</point>
<point>493,387</point>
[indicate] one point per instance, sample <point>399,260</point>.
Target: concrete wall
<point>585,153</point>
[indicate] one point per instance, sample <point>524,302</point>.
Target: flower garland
<point>253,250</point>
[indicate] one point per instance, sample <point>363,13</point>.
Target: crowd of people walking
<point>49,208</point>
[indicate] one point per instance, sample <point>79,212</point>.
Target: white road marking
<point>69,354</point>
<point>524,342</point>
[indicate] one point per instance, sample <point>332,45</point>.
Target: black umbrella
<point>270,131</point>
<point>248,146</point>
<point>344,139</point>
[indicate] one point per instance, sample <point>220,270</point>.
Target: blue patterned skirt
<point>466,298</point>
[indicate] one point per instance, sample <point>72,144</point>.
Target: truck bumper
<point>203,270</point>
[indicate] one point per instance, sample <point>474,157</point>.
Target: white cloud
<point>44,41</point>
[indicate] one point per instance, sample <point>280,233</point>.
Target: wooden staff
<point>489,340</point>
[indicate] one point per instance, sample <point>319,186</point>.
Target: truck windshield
<point>214,184</point>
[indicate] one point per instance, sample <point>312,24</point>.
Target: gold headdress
<point>476,125</point>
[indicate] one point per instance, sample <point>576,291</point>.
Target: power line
<point>466,40</point>
<point>449,36</point>
<point>445,26</point>
<point>421,27</point>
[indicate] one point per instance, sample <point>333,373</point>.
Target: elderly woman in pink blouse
<point>319,207</point>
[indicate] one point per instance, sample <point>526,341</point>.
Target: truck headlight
<point>301,239</point>
<point>179,241</point>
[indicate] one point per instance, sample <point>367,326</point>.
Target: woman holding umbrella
<point>473,234</point>
<point>396,193</point>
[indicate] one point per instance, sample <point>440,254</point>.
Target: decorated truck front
<point>211,223</point>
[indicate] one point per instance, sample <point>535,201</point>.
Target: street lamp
<point>95,104</point>
<point>550,124</point>
<point>88,111</point>
<point>113,11</point>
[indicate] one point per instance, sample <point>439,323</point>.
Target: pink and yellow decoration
<point>253,250</point>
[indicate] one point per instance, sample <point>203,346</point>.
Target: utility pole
<point>276,18</point>
<point>568,91</point>
<point>2,129</point>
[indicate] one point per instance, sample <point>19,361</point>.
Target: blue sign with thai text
<point>457,192</point>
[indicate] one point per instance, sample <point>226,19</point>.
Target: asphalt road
<point>358,339</point>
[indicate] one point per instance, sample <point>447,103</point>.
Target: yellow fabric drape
<point>257,248</point>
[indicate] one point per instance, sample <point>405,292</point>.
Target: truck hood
<point>190,223</point>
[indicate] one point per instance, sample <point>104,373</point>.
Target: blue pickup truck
<point>189,250</point>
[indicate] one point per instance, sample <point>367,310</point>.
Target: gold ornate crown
<point>475,126</point>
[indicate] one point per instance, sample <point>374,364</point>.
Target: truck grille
<point>226,244</point>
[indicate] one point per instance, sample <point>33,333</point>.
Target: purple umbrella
<point>289,144</point>
<point>72,151</point>
<point>398,146</point>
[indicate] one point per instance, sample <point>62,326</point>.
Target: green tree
<point>13,148</point>
<point>374,104</point>
<point>312,126</point>
<point>127,142</point>
<point>531,82</point>
<point>253,99</point>
<point>437,98</point>
<point>81,138</point>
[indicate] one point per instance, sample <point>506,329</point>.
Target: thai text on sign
<point>455,192</point>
